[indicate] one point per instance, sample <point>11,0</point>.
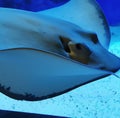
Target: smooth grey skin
<point>22,29</point>
<point>30,74</point>
<point>86,14</point>
<point>31,44</point>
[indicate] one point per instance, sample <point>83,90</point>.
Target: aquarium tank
<point>60,58</point>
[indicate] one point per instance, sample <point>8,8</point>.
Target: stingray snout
<point>92,54</point>
<point>107,60</point>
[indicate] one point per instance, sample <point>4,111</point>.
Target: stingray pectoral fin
<point>35,75</point>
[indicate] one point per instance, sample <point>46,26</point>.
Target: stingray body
<point>35,53</point>
<point>85,13</point>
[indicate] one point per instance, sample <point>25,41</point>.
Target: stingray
<point>85,13</point>
<point>42,57</point>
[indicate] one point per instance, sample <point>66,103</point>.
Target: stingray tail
<point>114,74</point>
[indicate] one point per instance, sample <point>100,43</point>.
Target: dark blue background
<point>111,8</point>
<point>32,5</point>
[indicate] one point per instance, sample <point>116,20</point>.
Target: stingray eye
<point>65,42</point>
<point>94,38</point>
<point>78,46</point>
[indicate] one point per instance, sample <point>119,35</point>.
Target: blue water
<point>111,8</point>
<point>100,99</point>
<point>32,5</point>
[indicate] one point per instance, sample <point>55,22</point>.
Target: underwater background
<point>99,99</point>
